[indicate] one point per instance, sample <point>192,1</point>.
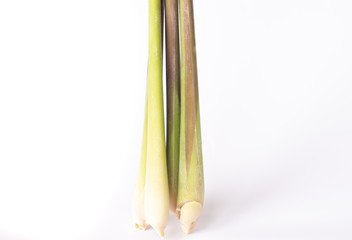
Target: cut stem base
<point>188,215</point>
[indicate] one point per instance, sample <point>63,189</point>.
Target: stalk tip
<point>160,230</point>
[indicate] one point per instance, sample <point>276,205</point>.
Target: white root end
<point>138,210</point>
<point>157,209</point>
<point>188,215</point>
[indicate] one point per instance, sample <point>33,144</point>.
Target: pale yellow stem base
<point>138,210</point>
<point>188,215</point>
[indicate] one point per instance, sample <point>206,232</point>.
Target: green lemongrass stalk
<point>173,98</point>
<point>156,205</point>
<point>151,196</point>
<point>190,194</point>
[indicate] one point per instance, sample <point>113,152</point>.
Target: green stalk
<point>155,192</point>
<point>173,98</point>
<point>191,182</point>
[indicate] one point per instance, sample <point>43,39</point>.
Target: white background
<point>275,81</point>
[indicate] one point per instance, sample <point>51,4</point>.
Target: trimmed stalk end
<point>142,226</point>
<point>188,214</point>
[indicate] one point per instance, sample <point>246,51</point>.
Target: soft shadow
<point>209,214</point>
<point>225,207</point>
<point>173,228</point>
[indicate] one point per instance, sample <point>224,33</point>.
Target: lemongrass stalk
<point>173,98</point>
<point>138,195</point>
<point>190,194</point>
<point>156,195</point>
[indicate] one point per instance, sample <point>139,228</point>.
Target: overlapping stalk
<point>151,196</point>
<point>190,194</point>
<point>138,194</point>
<point>173,98</point>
